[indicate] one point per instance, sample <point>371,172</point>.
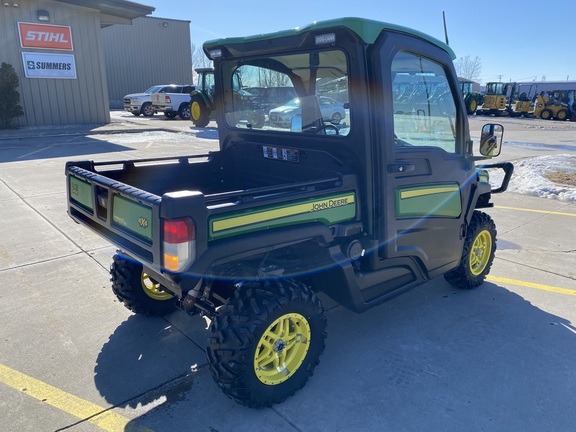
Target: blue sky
<point>516,40</point>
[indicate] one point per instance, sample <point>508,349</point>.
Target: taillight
<point>179,243</point>
<point>167,99</point>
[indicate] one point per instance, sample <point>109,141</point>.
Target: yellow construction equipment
<point>557,105</point>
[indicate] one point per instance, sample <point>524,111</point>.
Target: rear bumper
<point>163,108</point>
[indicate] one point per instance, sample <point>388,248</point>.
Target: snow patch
<point>528,177</point>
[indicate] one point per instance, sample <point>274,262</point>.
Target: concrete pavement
<point>498,358</point>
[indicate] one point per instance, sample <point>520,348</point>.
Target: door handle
<point>401,167</point>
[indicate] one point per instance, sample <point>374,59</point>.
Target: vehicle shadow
<point>433,359</point>
<point>53,147</point>
<point>205,133</point>
<point>144,354</point>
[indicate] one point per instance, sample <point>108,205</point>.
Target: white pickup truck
<point>174,104</point>
<point>141,103</point>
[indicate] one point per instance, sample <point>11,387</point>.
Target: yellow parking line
<point>537,211</point>
<point>106,420</point>
<point>44,148</point>
<point>532,285</point>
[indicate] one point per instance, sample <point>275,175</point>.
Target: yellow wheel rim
<point>480,253</point>
<point>153,290</point>
<point>282,349</point>
<point>195,110</point>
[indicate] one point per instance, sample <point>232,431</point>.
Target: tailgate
<point>124,215</point>
<point>158,98</point>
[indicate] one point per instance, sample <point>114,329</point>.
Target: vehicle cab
<point>403,135</point>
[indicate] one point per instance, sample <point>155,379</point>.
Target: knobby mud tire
<point>127,279</point>
<point>240,330</point>
<point>477,254</point>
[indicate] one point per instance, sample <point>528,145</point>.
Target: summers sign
<point>44,65</point>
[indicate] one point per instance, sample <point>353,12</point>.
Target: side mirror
<point>296,124</point>
<point>491,140</point>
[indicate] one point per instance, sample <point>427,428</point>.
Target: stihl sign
<point>45,36</point>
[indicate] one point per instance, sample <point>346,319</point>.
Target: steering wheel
<point>327,126</point>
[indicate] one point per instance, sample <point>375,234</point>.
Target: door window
<point>423,103</point>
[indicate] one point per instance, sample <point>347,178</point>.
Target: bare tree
<point>199,60</point>
<point>469,68</point>
<point>270,78</point>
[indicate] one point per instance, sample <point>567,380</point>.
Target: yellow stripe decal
<point>427,191</point>
<point>80,408</point>
<point>248,219</point>
<point>532,285</point>
<point>537,211</point>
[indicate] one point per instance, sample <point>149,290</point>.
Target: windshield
<point>293,103</point>
<point>496,88</point>
<point>293,93</point>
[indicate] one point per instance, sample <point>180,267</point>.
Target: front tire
<point>336,118</point>
<point>477,254</point>
<point>134,288</point>
<point>147,110</point>
<point>546,114</point>
<point>266,342</point>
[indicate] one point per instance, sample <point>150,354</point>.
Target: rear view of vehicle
<point>366,188</point>
<point>173,101</point>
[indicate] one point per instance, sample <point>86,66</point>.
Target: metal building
<point>149,52</point>
<point>56,48</point>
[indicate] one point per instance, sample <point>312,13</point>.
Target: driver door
<point>425,172</point>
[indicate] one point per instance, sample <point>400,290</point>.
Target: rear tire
<point>184,111</point>
<point>256,118</point>
<point>199,112</point>
<point>137,291</point>
<point>170,114</point>
<point>471,106</point>
<point>477,254</point>
<point>266,342</point>
<point>562,115</point>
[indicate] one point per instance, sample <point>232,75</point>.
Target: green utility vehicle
<point>202,98</point>
<point>472,98</point>
<point>384,200</point>
<point>256,101</point>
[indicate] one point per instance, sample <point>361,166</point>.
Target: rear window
<point>293,93</point>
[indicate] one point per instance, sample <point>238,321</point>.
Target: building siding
<point>151,51</point>
<point>58,101</point>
